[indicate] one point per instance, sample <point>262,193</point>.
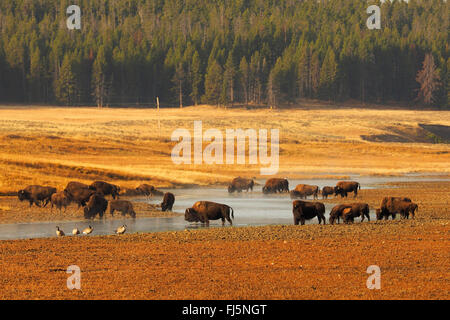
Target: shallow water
<point>250,209</point>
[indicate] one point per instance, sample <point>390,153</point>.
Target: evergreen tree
<point>213,83</point>
<point>65,83</point>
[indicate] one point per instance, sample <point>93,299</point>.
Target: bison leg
<point>302,221</point>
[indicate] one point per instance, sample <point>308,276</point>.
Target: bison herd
<point>306,210</point>
<point>93,200</point>
<point>91,197</point>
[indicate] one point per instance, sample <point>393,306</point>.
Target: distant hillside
<point>129,52</point>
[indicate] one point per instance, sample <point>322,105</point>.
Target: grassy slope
<point>52,146</point>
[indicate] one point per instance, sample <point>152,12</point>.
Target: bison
<point>238,184</point>
<point>345,187</point>
<point>409,209</point>
<point>336,212</point>
<point>123,206</point>
<point>390,206</point>
<point>61,199</point>
<point>97,204</point>
<point>304,190</point>
<point>275,185</point>
<point>168,201</point>
<point>74,185</point>
<point>327,191</point>
<point>36,195</point>
<point>355,210</point>
<point>204,211</point>
<point>105,189</point>
<point>303,210</point>
<point>148,190</point>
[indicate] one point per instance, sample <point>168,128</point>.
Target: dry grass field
<point>51,146</point>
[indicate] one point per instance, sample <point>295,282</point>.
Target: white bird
<point>75,231</point>
<point>59,233</point>
<point>88,230</point>
<point>121,230</point>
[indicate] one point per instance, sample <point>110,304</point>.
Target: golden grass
<point>51,146</point>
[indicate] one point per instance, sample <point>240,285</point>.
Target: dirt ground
<point>271,262</point>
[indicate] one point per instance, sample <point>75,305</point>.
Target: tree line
<point>264,52</point>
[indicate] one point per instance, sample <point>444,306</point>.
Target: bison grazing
<point>303,191</point>
<point>355,210</point>
<point>168,201</point>
<point>61,199</point>
<point>238,184</point>
<point>105,189</point>
<point>327,191</point>
<point>275,185</point>
<point>123,206</point>
<point>203,211</point>
<point>344,187</point>
<point>409,209</point>
<point>97,204</point>
<point>303,210</point>
<point>336,212</point>
<point>36,195</point>
<point>390,206</point>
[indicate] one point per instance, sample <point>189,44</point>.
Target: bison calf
<point>61,199</point>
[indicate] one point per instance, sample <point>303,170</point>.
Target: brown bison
<point>238,184</point>
<point>409,209</point>
<point>97,204</point>
<point>105,188</point>
<point>203,211</point>
<point>345,187</point>
<point>275,185</point>
<point>36,195</point>
<point>303,191</point>
<point>355,210</point>
<point>81,196</point>
<point>61,199</point>
<point>336,212</point>
<point>74,185</point>
<point>168,201</point>
<point>148,190</point>
<point>123,206</point>
<point>303,210</point>
<point>390,206</point>
<point>327,191</point>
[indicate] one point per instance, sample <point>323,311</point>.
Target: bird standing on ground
<point>121,230</point>
<point>59,233</point>
<point>88,230</point>
<point>75,231</point>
